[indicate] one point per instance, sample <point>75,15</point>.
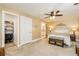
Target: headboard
<point>61,28</point>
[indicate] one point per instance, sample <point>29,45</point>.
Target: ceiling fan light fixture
<point>52,17</point>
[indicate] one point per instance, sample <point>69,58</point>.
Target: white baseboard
<point>35,40</point>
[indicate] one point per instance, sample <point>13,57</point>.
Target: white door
<point>43,30</point>
<point>25,30</point>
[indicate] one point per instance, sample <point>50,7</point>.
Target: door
<point>25,30</point>
<point>43,30</point>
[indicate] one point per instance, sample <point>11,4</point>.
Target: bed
<point>61,32</point>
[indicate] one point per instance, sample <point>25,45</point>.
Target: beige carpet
<point>40,48</point>
<point>8,45</point>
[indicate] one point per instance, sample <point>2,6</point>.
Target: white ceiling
<point>39,9</point>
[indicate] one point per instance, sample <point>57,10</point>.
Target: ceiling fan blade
<point>47,14</point>
<point>75,3</point>
<point>57,11</point>
<point>46,17</point>
<point>52,13</point>
<point>59,15</point>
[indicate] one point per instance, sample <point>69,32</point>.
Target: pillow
<point>61,29</point>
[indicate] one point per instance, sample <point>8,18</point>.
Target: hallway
<point>40,48</point>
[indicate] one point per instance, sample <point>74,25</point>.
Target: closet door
<point>25,30</point>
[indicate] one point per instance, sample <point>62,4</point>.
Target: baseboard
<point>35,40</point>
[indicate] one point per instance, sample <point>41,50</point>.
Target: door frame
<point>3,27</point>
<point>43,24</point>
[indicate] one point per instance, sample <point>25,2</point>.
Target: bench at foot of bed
<point>57,42</point>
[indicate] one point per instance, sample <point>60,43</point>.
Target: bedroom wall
<point>0,28</point>
<point>36,29</point>
<point>78,29</point>
<point>69,21</point>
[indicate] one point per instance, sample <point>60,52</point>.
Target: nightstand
<point>77,49</point>
<point>73,37</point>
<point>2,52</point>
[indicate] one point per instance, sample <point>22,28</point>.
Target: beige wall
<point>0,29</point>
<point>69,21</point>
<point>36,32</point>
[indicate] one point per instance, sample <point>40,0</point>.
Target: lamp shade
<point>74,29</point>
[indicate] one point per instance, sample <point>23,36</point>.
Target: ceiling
<point>39,9</point>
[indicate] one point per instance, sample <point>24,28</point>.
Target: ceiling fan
<point>54,14</point>
<point>75,3</point>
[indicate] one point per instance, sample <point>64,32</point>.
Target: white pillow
<point>61,29</point>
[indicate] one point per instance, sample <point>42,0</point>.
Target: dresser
<point>2,52</point>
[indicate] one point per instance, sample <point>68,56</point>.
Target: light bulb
<point>52,17</point>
